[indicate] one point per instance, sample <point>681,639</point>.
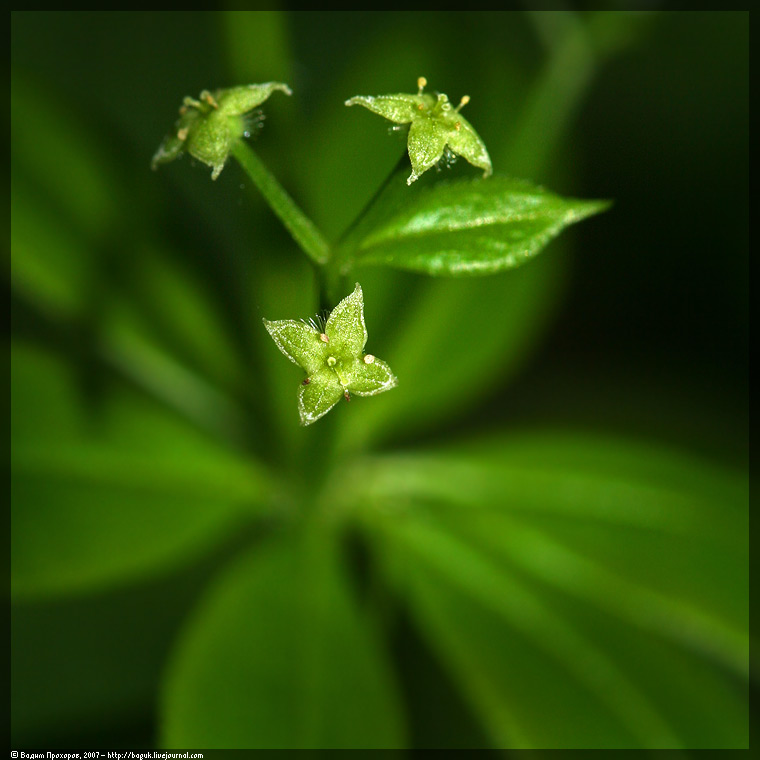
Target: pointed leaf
<point>471,227</point>
<point>277,656</point>
<point>101,498</point>
<point>117,658</point>
<point>585,592</point>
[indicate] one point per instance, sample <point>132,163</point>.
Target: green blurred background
<point>635,323</point>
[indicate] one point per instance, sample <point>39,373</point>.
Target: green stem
<point>308,237</point>
<point>554,98</point>
<point>377,205</point>
<point>578,47</point>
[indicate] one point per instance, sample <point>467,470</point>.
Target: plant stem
<point>308,237</point>
<point>554,99</point>
<point>378,204</point>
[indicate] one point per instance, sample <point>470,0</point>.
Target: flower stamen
<point>463,102</point>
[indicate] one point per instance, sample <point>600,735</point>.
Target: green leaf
<point>121,490</point>
<point>55,149</point>
<point>277,656</point>
<point>99,677</point>
<point>159,303</point>
<point>50,265</point>
<point>431,340</point>
<point>265,32</point>
<point>585,592</point>
<point>470,227</point>
<point>55,230</point>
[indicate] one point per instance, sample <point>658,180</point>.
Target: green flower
<point>208,127</point>
<point>436,128</point>
<point>333,358</point>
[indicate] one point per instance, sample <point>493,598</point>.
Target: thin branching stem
<point>303,230</point>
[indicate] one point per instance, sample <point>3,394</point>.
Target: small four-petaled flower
<point>333,358</point>
<point>208,127</point>
<point>435,128</point>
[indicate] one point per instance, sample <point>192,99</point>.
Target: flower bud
<point>208,127</point>
<point>436,128</point>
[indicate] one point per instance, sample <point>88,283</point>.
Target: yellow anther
<point>463,102</point>
<point>182,133</point>
<point>209,98</point>
<point>369,359</point>
<point>421,84</point>
<point>323,337</point>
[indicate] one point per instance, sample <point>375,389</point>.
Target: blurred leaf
<point>122,492</point>
<point>586,592</point>
<point>257,45</point>
<point>78,252</point>
<point>62,201</point>
<point>578,49</point>
<point>91,663</point>
<point>49,264</point>
<point>161,303</point>
<point>53,148</point>
<point>277,656</point>
<point>470,227</point>
<point>452,341</point>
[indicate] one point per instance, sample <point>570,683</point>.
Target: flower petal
<point>400,109</point>
<point>299,342</point>
<point>237,101</point>
<point>208,127</point>
<point>466,142</point>
<point>345,326</point>
<point>320,395</point>
<point>427,140</point>
<point>211,143</point>
<point>370,378</point>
